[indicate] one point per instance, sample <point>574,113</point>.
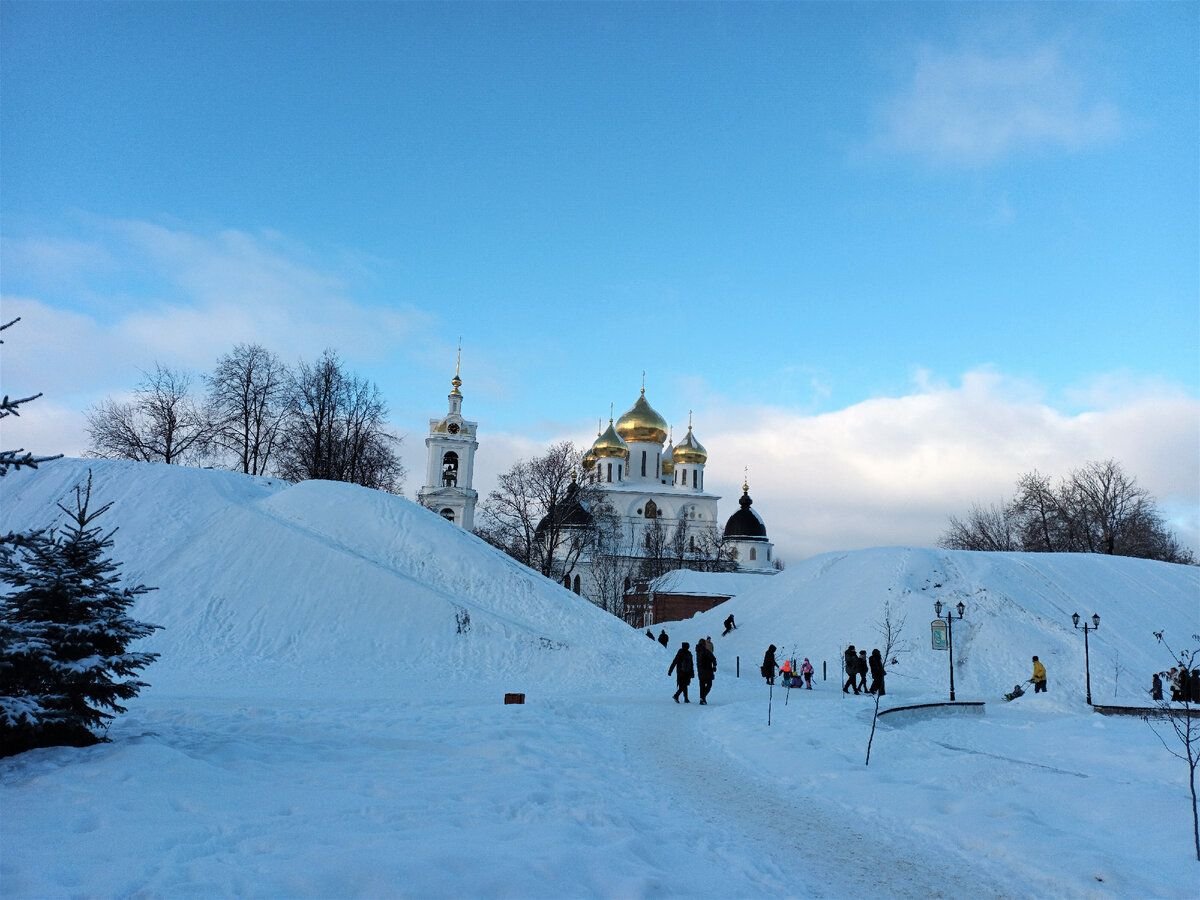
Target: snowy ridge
<point>320,586</point>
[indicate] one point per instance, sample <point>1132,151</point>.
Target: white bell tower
<point>450,462</point>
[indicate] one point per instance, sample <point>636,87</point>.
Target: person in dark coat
<point>706,669</point>
<point>769,665</point>
<point>662,638</point>
<point>876,665</point>
<point>862,668</point>
<point>1156,686</point>
<point>650,634</point>
<point>851,658</point>
<point>682,666</point>
<point>729,625</point>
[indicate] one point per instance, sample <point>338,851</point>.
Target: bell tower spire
<point>450,459</point>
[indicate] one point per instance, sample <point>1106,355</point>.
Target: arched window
<point>694,478</point>
<point>753,553</point>
<point>609,471</point>
<point>576,586</point>
<point>692,542</point>
<point>448,514</point>
<point>450,468</point>
<point>643,463</point>
<point>768,554</point>
<point>651,509</point>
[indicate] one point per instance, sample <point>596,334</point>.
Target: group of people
<point>1184,685</point>
<point>684,669</point>
<point>858,665</point>
<point>769,667</point>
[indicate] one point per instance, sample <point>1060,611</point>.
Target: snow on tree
<point>19,458</point>
<point>65,632</point>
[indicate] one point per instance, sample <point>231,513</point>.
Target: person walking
<point>707,642</point>
<point>862,668</point>
<point>1156,686</point>
<point>683,669</point>
<point>877,673</point>
<point>851,659</point>
<point>806,670</point>
<point>706,668</point>
<point>1039,677</point>
<point>663,639</point>
<point>769,665</point>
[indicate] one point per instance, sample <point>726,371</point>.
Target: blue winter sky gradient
<point>788,215</point>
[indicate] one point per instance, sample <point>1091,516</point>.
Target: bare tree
<point>163,423</point>
<point>612,560</point>
<point>1185,725</point>
<point>985,528</point>
<point>247,395</point>
<point>1096,509</point>
<point>890,630</point>
<point>335,429</point>
<point>19,458</point>
<point>540,515</point>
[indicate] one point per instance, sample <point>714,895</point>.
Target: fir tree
<point>64,635</point>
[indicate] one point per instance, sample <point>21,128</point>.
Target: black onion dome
<point>745,524</point>
<point>569,513</point>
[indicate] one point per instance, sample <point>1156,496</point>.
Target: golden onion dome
<point>690,450</point>
<point>609,445</point>
<point>589,460</point>
<point>641,424</point>
<point>668,465</point>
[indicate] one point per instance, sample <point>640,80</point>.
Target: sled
<point>792,681</point>
<point>1014,694</point>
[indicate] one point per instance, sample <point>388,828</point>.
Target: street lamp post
<point>1087,662</point>
<point>937,609</point>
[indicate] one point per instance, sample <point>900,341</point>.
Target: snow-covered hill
<point>321,587</point>
<point>322,724</point>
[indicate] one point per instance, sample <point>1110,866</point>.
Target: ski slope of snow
<point>325,721</point>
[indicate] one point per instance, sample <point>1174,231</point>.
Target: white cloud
<point>974,106</point>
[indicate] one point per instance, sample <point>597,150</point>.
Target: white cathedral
<point>641,479</point>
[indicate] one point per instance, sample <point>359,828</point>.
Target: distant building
<point>682,594</point>
<point>450,462</point>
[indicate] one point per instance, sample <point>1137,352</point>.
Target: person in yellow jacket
<point>1039,677</point>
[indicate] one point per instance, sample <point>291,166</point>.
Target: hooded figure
<point>1156,687</point>
<point>862,669</point>
<point>1039,677</point>
<point>851,657</point>
<point>706,668</point>
<point>682,666</point>
<point>876,665</point>
<point>662,638</point>
<point>769,666</point>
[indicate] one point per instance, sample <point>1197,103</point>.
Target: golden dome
<point>609,445</point>
<point>589,460</point>
<point>641,424</point>
<point>668,465</point>
<point>690,450</point>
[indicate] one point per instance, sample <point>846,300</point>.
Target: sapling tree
<point>890,629</point>
<point>66,663</point>
<point>1185,725</point>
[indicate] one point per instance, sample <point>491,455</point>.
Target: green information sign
<point>941,640</point>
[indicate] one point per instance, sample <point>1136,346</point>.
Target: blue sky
<point>788,215</point>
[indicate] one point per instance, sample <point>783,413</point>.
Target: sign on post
<point>941,640</point>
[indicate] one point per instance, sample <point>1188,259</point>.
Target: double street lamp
<point>937,609</point>
<point>1087,663</point>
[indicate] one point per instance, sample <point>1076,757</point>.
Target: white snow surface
<point>321,724</point>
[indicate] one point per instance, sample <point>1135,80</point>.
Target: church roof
<point>690,450</point>
<point>746,524</point>
<point>641,424</point>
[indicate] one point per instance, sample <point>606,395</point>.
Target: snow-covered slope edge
<point>323,587</point>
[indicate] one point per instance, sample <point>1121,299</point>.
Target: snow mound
<point>1016,605</point>
<point>323,587</point>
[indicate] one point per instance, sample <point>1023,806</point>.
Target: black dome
<point>570,513</point>
<point>745,525</point>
